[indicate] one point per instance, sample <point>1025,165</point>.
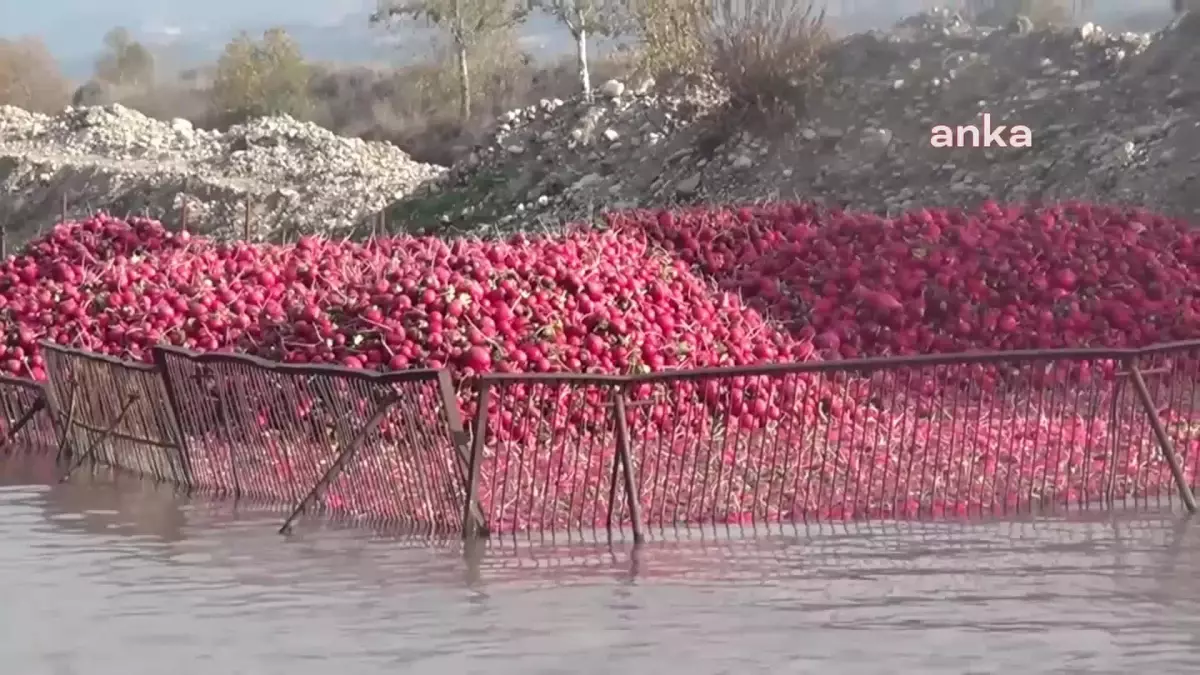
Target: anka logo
<point>971,136</point>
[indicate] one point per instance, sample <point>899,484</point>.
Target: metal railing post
<point>624,456</point>
<point>461,441</point>
<point>64,437</point>
<point>1164,440</point>
<point>473,527</point>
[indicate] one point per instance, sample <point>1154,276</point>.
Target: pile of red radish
<point>660,291</point>
<point>589,302</point>
<point>1002,277</point>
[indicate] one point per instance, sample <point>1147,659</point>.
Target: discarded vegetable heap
<point>670,290</point>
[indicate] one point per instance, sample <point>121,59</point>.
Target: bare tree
<point>466,21</point>
<point>585,18</point>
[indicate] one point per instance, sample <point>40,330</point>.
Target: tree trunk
<point>464,83</point>
<point>585,76</point>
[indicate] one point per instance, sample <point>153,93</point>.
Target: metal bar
<point>612,488</point>
<point>472,528</point>
<point>246,224</point>
<point>461,441</point>
<point>1114,438</point>
<point>185,455</point>
<point>623,452</point>
<point>125,437</point>
<point>94,357</point>
<point>863,365</point>
<point>129,401</point>
<point>1145,373</point>
<point>413,375</point>
<point>635,405</point>
<point>183,206</point>
<point>1164,440</point>
<point>38,404</point>
<point>339,463</point>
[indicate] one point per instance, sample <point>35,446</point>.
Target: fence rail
<point>954,434</point>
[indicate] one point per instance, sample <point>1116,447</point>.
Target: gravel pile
<point>1113,118</point>
<point>296,177</point>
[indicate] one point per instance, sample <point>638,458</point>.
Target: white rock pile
<point>296,177</point>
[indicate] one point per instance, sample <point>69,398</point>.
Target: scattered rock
<point>613,89</point>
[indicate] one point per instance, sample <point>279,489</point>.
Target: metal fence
<point>322,437</point>
<point>893,438</point>
<point>115,413</point>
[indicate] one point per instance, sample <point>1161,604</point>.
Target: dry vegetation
<point>766,54</point>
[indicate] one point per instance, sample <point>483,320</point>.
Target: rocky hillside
<point>283,176</point>
<point>1113,118</point>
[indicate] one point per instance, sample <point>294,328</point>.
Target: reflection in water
<point>119,576</point>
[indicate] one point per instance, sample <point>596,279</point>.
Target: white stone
<point>613,88</point>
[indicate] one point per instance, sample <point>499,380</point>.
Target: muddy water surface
<point>121,578</point>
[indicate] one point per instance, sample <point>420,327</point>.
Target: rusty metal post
<point>339,463</point>
<point>462,443</point>
<point>65,433</point>
<point>1114,436</point>
<point>473,528</point>
<point>1164,440</point>
<point>183,207</point>
<point>24,419</point>
<point>624,455</point>
<point>129,401</point>
<point>246,223</point>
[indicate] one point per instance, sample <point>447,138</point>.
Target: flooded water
<point>126,578</point>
